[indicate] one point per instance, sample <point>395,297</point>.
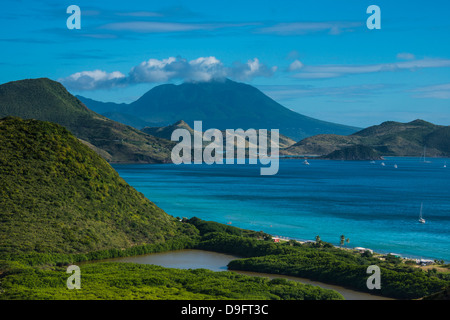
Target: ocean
<point>372,205</point>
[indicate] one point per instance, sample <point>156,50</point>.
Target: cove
<point>196,259</point>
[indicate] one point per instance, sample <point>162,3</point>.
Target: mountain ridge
<point>389,138</point>
<point>222,105</point>
<point>166,133</point>
<point>48,100</point>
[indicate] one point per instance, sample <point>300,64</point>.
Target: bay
<point>375,206</point>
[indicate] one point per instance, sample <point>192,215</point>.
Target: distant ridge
<point>166,133</point>
<point>47,100</point>
<point>387,139</point>
<point>219,104</point>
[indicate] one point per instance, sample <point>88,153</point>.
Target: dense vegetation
<point>61,203</point>
<point>57,196</point>
<point>47,100</point>
<point>327,264</point>
<point>357,152</point>
<point>135,281</point>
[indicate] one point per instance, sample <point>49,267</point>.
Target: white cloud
<point>166,70</point>
<point>301,28</point>
<point>292,92</point>
<point>333,71</point>
<point>441,91</point>
<point>296,65</point>
<point>96,79</point>
<point>200,69</point>
<point>251,69</point>
<point>168,27</point>
<point>153,27</point>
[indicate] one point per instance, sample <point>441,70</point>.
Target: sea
<point>375,205</point>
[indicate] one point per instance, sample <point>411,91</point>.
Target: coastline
<point>353,249</point>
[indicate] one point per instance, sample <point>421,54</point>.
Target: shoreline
<point>352,249</point>
<point>189,258</point>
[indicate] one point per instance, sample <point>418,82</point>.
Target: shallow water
<point>374,206</point>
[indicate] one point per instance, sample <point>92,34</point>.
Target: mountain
<point>166,133</point>
<point>59,196</point>
<point>221,105</point>
<point>388,139</point>
<point>47,100</point>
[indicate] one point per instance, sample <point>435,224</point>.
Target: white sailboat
<point>306,162</point>
<point>421,220</point>
<point>424,155</point>
<point>445,164</point>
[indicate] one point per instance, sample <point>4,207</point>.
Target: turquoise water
<point>374,206</point>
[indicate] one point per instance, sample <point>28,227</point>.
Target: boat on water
<point>421,219</point>
<point>424,155</point>
<point>383,164</point>
<point>395,166</point>
<point>445,165</point>
<point>306,162</point>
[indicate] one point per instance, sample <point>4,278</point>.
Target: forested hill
<point>47,100</point>
<point>59,196</point>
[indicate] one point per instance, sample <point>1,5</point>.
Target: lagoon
<point>195,259</point>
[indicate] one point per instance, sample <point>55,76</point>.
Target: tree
<point>342,240</point>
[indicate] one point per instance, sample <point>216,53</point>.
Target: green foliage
<point>326,264</point>
<point>47,100</point>
<point>357,152</point>
<point>206,227</point>
<point>57,196</point>
<point>117,281</point>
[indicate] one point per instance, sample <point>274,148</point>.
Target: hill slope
<point>166,133</point>
<point>388,139</point>
<point>47,100</point>
<point>59,196</point>
<point>357,152</point>
<point>221,105</point>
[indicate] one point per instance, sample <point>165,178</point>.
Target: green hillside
<point>357,152</point>
<point>59,196</point>
<point>388,139</point>
<point>47,100</point>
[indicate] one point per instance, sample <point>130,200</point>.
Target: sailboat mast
<point>421,208</point>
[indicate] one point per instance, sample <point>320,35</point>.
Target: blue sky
<point>315,57</point>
